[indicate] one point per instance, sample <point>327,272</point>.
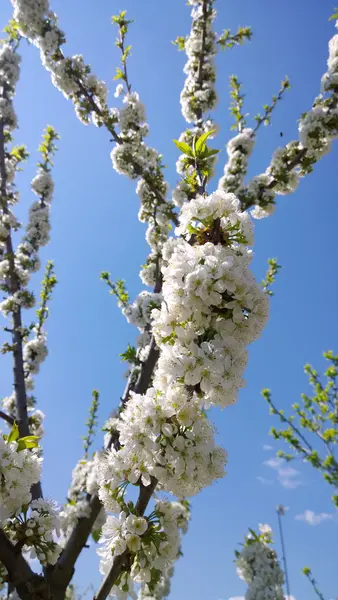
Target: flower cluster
<point>34,529</point>
<point>19,470</point>
<point>317,129</point>
<point>139,313</point>
<point>164,436</point>
<point>153,544</point>
<point>174,519</point>
<point>198,94</point>
<point>9,75</point>
<point>212,307</point>
<point>35,352</point>
<point>239,149</point>
<point>84,482</point>
<point>258,566</point>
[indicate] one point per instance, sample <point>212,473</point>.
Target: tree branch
<point>63,571</point>
<point>119,141</point>
<point>18,367</point>
<point>199,113</point>
<point>123,560</point>
<point>7,418</point>
<point>28,584</point>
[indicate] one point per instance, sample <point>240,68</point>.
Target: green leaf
<point>96,534</point>
<point>14,434</point>
<point>29,441</point>
<point>200,144</point>
<point>185,148</point>
<point>119,74</point>
<point>335,14</point>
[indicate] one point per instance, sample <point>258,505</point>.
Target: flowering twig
<point>270,276</point>
<point>92,422</point>
<point>237,100</point>
<point>269,108</point>
<point>122,23</point>
<point>227,40</point>
<point>308,573</point>
<point>48,284</point>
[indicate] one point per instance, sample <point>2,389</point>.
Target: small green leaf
<point>200,144</point>
<point>185,148</point>
<point>119,74</point>
<point>30,441</point>
<point>335,14</point>
<point>14,434</point>
<point>96,534</point>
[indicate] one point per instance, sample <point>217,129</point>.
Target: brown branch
<point>10,420</point>
<point>63,571</point>
<point>123,561</point>
<point>14,286</point>
<point>28,584</point>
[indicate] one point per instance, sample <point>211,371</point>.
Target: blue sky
<point>95,227</point>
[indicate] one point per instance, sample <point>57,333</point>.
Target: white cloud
<point>287,476</point>
<point>267,448</point>
<point>237,598</point>
<point>289,598</point>
<point>264,481</point>
<point>273,463</point>
<point>311,518</point>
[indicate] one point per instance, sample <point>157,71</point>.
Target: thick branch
<point>123,560</point>
<point>7,418</point>
<point>18,367</point>
<point>64,569</point>
<point>28,584</point>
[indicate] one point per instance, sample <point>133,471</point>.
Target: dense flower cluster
<point>174,519</point>
<point>153,544</point>
<point>212,308</point>
<point>167,437</point>
<point>19,470</point>
<point>258,566</point>
<point>198,94</point>
<point>34,529</point>
<point>239,150</point>
<point>9,75</point>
